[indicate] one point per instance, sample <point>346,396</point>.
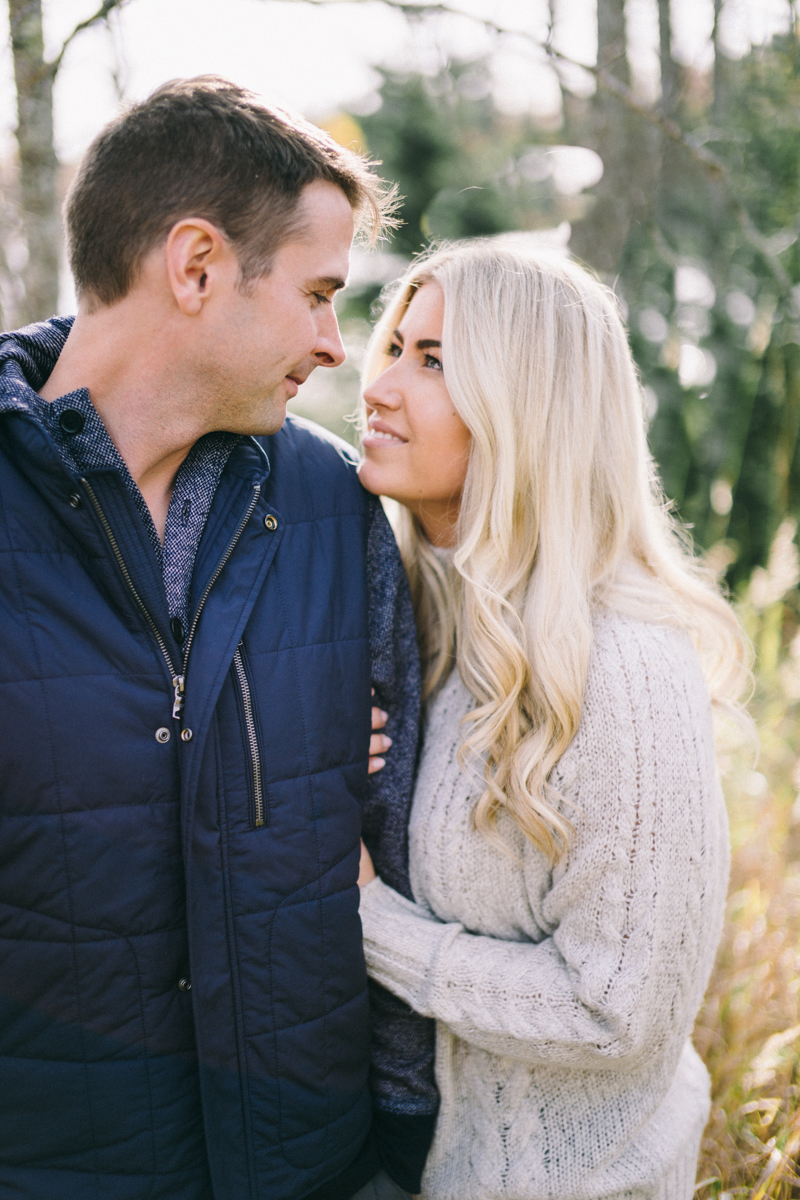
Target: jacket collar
<point>27,358</point>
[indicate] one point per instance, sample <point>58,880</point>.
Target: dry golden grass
<point>749,1029</point>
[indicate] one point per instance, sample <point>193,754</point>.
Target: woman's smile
<point>379,432</point>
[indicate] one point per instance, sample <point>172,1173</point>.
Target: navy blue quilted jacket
<point>184,1010</point>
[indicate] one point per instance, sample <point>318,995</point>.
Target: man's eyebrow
<point>326,283</point>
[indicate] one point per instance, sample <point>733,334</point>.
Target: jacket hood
<point>27,358</point>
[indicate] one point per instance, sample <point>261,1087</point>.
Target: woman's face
<point>417,447</point>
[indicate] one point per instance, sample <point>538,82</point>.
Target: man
<point>185,675</point>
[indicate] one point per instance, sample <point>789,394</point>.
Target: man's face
<point>266,341</point>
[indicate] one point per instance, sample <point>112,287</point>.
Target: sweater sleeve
<point>632,914</point>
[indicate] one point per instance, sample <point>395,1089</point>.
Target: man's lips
<point>294,382</point>
<point>381,434</point>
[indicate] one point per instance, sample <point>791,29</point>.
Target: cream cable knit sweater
<point>564,1000</point>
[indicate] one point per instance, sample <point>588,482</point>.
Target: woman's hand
<point>379,742</point>
<point>366,871</point>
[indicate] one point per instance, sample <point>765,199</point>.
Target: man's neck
<point>138,396</point>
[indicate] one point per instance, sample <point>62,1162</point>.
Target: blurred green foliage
<point>730,443</point>
<point>706,264</point>
<point>459,163</point>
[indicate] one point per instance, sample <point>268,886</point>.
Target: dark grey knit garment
<point>403,1043</point>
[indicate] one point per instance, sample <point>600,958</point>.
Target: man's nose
<point>329,350</point>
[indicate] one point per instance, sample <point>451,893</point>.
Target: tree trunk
<point>611,41</point>
<point>670,83</point>
<point>721,71</point>
<point>38,165</point>
<point>621,142</point>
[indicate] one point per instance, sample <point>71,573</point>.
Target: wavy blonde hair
<point>561,512</point>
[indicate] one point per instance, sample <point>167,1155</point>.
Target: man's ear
<point>197,257</point>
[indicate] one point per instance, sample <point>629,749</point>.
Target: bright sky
<point>318,59</point>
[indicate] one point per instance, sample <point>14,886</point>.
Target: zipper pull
<point>177,684</point>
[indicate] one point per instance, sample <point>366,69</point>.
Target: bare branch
<point>762,245</point>
<point>670,129</point>
<point>604,79</point>
<point>709,162</point>
<point>105,8</point>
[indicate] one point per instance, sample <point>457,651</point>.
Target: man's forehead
<point>319,246</point>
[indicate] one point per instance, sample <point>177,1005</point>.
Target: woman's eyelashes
<point>394,350</point>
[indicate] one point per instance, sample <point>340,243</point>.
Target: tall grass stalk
<point>749,1029</point>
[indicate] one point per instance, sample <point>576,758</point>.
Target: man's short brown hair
<point>203,148</point>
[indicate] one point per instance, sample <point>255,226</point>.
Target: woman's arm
<point>634,910</point>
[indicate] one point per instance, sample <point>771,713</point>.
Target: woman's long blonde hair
<point>561,513</point>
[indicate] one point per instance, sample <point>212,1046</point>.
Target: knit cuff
<point>401,943</point>
<point>403,1143</point>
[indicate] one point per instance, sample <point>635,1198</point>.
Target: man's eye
<point>431,361</point>
<point>321,297</point>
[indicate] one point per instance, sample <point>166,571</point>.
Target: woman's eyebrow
<point>423,344</point>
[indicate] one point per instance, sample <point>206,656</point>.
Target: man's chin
<point>274,423</point>
<point>268,421</point>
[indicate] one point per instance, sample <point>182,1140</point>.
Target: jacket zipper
<point>252,736</point>
<point>178,678</point>
<point>179,683</point>
<point>162,645</point>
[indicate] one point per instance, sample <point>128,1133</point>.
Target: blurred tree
<point>459,162</point>
<point>464,168</point>
<point>694,222</point>
<point>38,165</point>
<point>623,142</point>
<point>715,322</point>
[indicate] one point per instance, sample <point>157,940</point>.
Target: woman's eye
<point>430,361</point>
<point>393,350</point>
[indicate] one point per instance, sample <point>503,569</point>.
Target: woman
<point>568,836</point>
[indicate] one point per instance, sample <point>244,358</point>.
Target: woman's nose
<point>383,392</point>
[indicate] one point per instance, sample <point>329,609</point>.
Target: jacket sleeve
<point>633,913</point>
<point>405,1099</point>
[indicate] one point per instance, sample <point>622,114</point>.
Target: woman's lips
<point>379,434</point>
<point>382,439</point>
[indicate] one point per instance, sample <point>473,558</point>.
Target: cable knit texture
<point>565,998</point>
